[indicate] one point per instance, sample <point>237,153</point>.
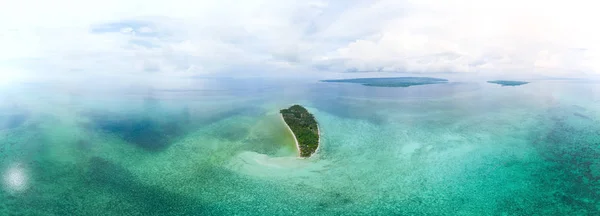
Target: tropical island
<point>391,81</point>
<point>508,82</point>
<point>304,127</point>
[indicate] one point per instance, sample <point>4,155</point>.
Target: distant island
<point>304,128</point>
<point>392,81</point>
<point>508,82</point>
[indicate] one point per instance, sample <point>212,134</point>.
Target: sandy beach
<point>319,140</point>
<point>296,140</point>
<point>294,135</point>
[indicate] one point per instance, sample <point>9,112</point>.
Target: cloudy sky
<point>67,38</point>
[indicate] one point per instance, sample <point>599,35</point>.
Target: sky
<point>61,39</point>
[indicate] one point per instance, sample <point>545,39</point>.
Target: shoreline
<point>318,141</point>
<point>293,135</point>
<point>296,140</point>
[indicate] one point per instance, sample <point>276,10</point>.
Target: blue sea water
<point>218,147</point>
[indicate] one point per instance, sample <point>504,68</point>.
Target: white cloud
<point>278,38</point>
<point>539,37</point>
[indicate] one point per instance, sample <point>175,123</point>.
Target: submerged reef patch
<point>10,119</point>
<point>572,144</point>
<point>142,131</point>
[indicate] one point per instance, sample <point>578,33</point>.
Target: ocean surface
<point>218,147</point>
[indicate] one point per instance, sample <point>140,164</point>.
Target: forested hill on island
<point>304,127</point>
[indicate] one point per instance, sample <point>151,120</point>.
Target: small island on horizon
<point>391,81</point>
<point>303,127</point>
<point>508,82</point>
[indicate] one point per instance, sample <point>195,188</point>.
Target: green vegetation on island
<point>305,128</point>
<point>392,81</point>
<point>508,82</point>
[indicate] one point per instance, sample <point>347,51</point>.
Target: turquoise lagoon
<point>218,147</point>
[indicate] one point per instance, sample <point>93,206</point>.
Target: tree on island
<point>305,128</point>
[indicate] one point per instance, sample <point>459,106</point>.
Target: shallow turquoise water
<point>221,149</point>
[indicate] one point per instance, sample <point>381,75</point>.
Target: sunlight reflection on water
<point>15,178</point>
